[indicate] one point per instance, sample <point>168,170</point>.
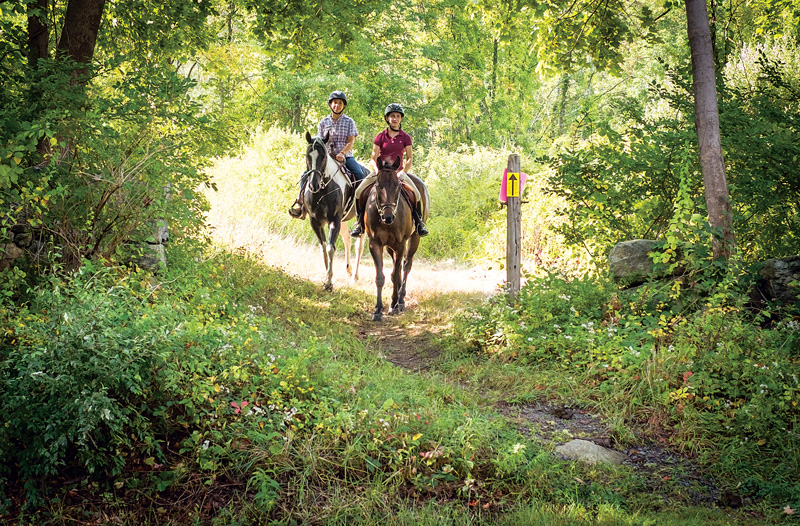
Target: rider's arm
<point>347,147</point>
<point>373,160</point>
<point>407,163</point>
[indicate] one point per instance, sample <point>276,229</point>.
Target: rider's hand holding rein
<point>348,147</point>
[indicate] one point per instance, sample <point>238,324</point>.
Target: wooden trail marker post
<point>514,225</point>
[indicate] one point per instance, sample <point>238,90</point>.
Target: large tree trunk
<point>706,121</point>
<point>81,25</point>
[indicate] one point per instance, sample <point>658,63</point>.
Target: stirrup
<point>297,212</point>
<point>422,230</point>
<point>357,231</point>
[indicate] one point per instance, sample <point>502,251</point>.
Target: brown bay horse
<point>389,224</point>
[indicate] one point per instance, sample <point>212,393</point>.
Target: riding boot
<point>422,230</point>
<point>298,209</point>
<point>358,230</point>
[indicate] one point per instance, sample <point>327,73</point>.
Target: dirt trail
<point>305,261</point>
<point>406,340</point>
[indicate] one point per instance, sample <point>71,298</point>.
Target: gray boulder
<point>9,253</point>
<point>774,277</point>
<point>589,452</point>
<point>630,261</point>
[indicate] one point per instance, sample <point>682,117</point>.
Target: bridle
<point>383,207</point>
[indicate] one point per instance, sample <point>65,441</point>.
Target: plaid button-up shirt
<point>339,130</point>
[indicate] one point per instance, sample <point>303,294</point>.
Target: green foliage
<point>716,380</point>
<point>77,367</point>
<point>621,182</point>
<point>621,185</point>
<point>98,372</point>
<point>463,186</point>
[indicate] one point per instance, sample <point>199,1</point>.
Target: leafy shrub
<point>79,367</point>
<point>101,370</point>
<point>620,183</point>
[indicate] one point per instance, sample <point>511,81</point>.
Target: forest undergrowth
<point>226,392</point>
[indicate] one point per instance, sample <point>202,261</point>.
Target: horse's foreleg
<point>346,242</point>
<point>359,248</point>
<point>377,257</point>
<point>319,231</point>
<point>333,233</point>
<point>413,244</point>
<point>397,281</point>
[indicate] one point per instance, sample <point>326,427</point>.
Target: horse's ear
<point>397,163</point>
<point>308,137</point>
<point>327,136</point>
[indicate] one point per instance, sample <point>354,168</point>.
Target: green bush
<point>79,370</point>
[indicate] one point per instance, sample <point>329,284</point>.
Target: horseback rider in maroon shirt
<point>390,144</point>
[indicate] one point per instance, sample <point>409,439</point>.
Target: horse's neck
<point>335,173</point>
<point>331,166</point>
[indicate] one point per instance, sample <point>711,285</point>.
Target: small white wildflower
<point>206,444</point>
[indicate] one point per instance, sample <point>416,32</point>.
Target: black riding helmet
<point>393,108</point>
<point>337,95</point>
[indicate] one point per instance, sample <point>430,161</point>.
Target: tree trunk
<point>706,121</point>
<point>81,25</point>
<point>38,33</point>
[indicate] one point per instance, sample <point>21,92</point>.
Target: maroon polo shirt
<point>392,148</point>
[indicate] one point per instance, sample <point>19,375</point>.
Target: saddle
<point>409,194</point>
<point>350,175</point>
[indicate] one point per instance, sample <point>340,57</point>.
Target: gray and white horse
<point>328,199</point>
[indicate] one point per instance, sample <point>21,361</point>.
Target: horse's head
<point>387,188</point>
<point>316,159</point>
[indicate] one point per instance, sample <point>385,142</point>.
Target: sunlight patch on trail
<point>427,278</point>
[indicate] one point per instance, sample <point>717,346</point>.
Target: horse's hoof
<point>328,287</point>
<point>377,316</point>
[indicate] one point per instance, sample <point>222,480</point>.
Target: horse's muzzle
<point>387,219</point>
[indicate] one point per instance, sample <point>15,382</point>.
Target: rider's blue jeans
<point>354,167</point>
